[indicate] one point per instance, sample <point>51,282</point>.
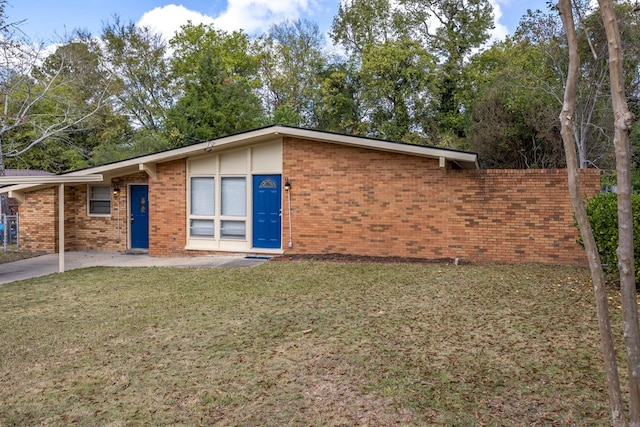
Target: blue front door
<point>267,204</point>
<point>139,216</point>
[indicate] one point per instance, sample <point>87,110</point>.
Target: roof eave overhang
<point>464,160</point>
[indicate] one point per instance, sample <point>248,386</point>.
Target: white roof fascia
<point>280,131</point>
<point>463,159</point>
<point>376,144</point>
<point>50,179</point>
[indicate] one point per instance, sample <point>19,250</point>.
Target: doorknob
<point>132,220</point>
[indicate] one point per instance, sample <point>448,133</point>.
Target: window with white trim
<point>202,215</point>
<point>218,213</point>
<point>233,207</point>
<point>99,200</point>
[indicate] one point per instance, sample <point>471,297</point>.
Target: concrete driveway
<point>48,264</point>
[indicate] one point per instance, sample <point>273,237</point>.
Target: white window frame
<point>199,216</point>
<point>91,199</point>
<point>219,220</point>
<point>233,218</point>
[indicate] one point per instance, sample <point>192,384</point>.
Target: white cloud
<point>258,15</point>
<point>167,20</point>
<point>251,16</point>
<point>500,31</point>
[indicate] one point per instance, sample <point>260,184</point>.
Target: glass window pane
<point>232,229</point>
<point>99,199</point>
<point>202,196</point>
<point>201,228</point>
<point>234,196</point>
<point>100,192</point>
<point>99,207</point>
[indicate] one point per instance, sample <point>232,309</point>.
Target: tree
<point>432,41</point>
<point>36,106</point>
<point>339,109</point>
<point>77,62</point>
<point>397,90</point>
<point>291,64</point>
<point>453,29</point>
<point>234,51</point>
<point>593,116</point>
<point>623,124</point>
<point>41,103</point>
<point>138,57</point>
<point>361,23</point>
<point>511,119</point>
<point>213,104</point>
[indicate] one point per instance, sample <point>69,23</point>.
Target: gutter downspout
<point>287,188</point>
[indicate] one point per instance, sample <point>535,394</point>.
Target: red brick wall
<point>358,201</point>
<point>354,201</point>
<point>92,233</point>
<point>39,221</point>
<point>168,209</point>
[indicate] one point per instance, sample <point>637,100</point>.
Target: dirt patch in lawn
<point>11,256</point>
<point>344,258</point>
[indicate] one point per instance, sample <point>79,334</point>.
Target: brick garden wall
<point>358,201</point>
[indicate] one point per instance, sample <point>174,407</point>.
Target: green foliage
<point>602,211</point>
<point>339,109</point>
<point>214,104</point>
<point>292,60</point>
<point>410,67</point>
<point>512,119</point>
<point>397,80</point>
<point>195,43</point>
<point>56,156</point>
<point>51,105</point>
<point>130,144</point>
<point>608,180</point>
<point>139,58</point>
<point>594,115</point>
<point>285,115</point>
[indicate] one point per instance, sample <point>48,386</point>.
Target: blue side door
<point>139,216</point>
<point>267,205</point>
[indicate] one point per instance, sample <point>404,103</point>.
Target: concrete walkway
<point>48,264</point>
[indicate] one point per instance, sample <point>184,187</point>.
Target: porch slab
<point>48,264</point>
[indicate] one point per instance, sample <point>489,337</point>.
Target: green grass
<point>13,255</point>
<point>302,344</point>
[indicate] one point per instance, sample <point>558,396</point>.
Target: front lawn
<point>303,344</point>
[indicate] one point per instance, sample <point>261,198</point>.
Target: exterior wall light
<point>116,190</point>
<point>287,184</point>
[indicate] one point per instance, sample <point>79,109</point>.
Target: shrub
<point>602,211</point>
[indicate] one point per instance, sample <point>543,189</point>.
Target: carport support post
<point>61,229</point>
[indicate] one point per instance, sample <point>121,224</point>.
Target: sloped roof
<point>463,159</point>
<point>26,172</point>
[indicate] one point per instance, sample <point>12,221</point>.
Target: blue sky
<point>46,19</point>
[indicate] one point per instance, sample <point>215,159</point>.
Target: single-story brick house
<point>283,190</point>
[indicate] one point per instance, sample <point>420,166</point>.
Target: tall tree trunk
<point>597,275</point>
<point>623,122</point>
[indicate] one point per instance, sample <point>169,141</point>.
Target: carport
<point>53,180</point>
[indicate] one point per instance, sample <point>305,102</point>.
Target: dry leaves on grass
<point>304,343</point>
